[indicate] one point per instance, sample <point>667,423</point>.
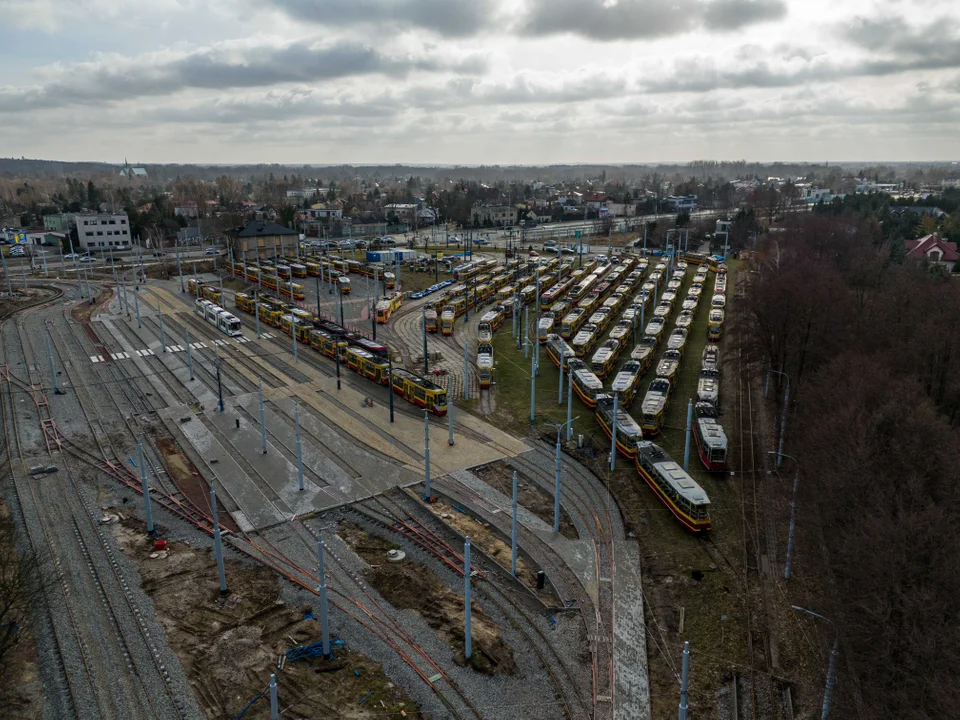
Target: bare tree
<point>21,587</point>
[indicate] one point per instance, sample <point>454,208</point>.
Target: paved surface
<point>350,450</point>
<point>630,640</point>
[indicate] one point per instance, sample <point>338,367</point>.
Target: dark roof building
<point>935,249</point>
<point>262,238</point>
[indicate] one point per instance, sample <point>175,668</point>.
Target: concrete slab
<point>254,510</point>
<point>274,474</point>
<point>352,468</point>
<point>631,680</point>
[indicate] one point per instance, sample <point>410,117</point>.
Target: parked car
<point>481,241</point>
<point>157,253</point>
<point>212,251</point>
<point>71,256</point>
<point>360,244</point>
<point>88,259</point>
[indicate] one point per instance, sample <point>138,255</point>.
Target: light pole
<point>783,417</point>
<point>832,667</point>
<point>787,570</point>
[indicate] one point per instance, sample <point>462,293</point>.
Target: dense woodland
<point>872,346</point>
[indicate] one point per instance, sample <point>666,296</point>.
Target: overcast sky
<point>479,81</point>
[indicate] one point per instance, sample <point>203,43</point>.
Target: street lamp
<point>832,667</point>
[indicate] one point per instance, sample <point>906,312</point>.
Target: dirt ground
<point>229,647</point>
<point>19,679</point>
<point>412,586</point>
<point>189,480</point>
<point>500,477</point>
<point>490,542</point>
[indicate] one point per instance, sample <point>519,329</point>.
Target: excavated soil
<point>228,647</point>
<point>409,585</point>
<point>531,496</point>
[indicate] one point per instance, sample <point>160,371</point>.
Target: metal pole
<point>793,525</point>
<point>466,371</point>
<point>426,456</point>
<point>533,389</point>
<point>341,306</point>
<point>318,291</point>
<point>274,711</point>
<point>766,385</point>
<point>219,383</point>
<point>336,359</point>
<point>556,486</point>
<point>536,351</point>
<point>526,331</point>
<point>23,268</point>
<point>136,306</point>
<point>560,388</point>
<point>450,420</point>
<point>256,312</point>
<point>217,543</point>
<point>53,371</point>
<point>293,331</point>
<point>146,488</point>
<point>569,405</point>
<point>296,416</point>
<point>783,422</point>
<point>163,339</point>
<point>425,363</point>
<point>831,677</point>
<point>513,529</point>
<point>613,439</point>
<point>684,680</point>
<point>686,444</point>
<point>324,619</point>
<point>179,270</point>
<point>123,295</point>
<point>263,422</point>
<point>186,333</point>
<point>467,630</point>
<point>390,384</point>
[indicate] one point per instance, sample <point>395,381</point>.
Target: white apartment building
<point>101,232</point>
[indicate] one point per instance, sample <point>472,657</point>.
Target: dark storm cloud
<point>219,68</point>
<point>448,17</point>
<point>636,19</point>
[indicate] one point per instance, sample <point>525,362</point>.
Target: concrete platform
<point>631,681</point>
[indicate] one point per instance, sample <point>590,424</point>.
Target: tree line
<point>872,346</point>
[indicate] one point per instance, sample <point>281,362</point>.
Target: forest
<point>872,348</point>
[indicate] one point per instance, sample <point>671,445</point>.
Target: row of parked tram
<point>367,358</point>
<point>572,327</point>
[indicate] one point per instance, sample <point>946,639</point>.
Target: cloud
<point>637,19</point>
<point>246,64</point>
<point>448,17</point>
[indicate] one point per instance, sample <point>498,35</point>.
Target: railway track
<point>123,670</point>
<point>408,522</point>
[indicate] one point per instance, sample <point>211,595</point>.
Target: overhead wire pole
<point>324,618</point>
<point>788,567</point>
<point>426,456</point>
<point>217,543</point>
<point>145,485</point>
<point>613,434</point>
<point>513,529</point>
<point>467,630</point>
<point>186,333</point>
<point>533,388</point>
<point>686,444</point>
<point>783,417</point>
<point>560,388</point>
<point>296,415</point>
<point>263,422</point>
<point>832,667</point>
<point>466,371</point>
<point>163,339</point>
<point>684,683</point>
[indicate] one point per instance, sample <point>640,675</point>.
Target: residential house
<point>187,210</point>
<point>262,239</point>
<point>60,222</point>
<point>404,212</point>
<point>681,203</point>
<point>935,249</point>
<point>570,198</point>
<point>325,211</point>
<point>499,215</point>
<point>918,210</point>
<point>812,195</point>
<point>102,231</point>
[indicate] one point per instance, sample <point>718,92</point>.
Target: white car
<point>71,256</point>
<point>88,259</point>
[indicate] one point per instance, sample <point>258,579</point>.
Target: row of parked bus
<point>365,357</point>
